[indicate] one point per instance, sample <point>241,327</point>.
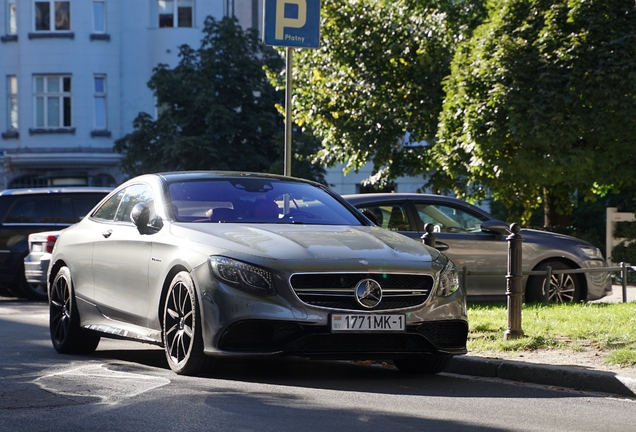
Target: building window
<point>99,16</point>
<point>171,16</point>
<point>100,101</point>
<point>52,101</point>
<point>52,16</point>
<point>12,84</point>
<point>229,8</point>
<point>12,24</point>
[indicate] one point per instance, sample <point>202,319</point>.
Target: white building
<point>352,182</point>
<point>73,76</point>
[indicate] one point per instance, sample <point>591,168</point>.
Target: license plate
<point>367,323</point>
<point>37,247</point>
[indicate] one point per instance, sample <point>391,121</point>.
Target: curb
<point>560,376</point>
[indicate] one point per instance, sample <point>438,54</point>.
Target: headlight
<point>243,276</point>
<point>448,280</point>
<point>592,252</point>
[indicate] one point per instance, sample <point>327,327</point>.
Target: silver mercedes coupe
<point>213,264</point>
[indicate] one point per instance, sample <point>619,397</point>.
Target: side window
<point>391,216</point>
<point>32,210</point>
<point>84,203</point>
<point>449,219</point>
<point>108,210</point>
<point>135,194</point>
<point>72,208</point>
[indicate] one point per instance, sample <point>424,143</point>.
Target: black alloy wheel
<point>563,288</point>
<point>182,328</point>
<point>66,334</point>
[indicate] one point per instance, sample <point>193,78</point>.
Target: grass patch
<point>582,326</point>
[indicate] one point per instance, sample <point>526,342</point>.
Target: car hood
<point>307,242</point>
<point>535,235</point>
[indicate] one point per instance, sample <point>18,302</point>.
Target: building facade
<point>74,76</point>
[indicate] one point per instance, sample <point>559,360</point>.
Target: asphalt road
<point>127,386</point>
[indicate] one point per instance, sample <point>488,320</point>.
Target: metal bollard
<point>429,238</point>
<point>514,283</point>
<point>546,285</point>
<point>624,277</point>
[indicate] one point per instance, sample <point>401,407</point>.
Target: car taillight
<point>50,242</point>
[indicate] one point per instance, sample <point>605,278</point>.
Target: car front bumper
<point>237,323</point>
<point>599,283</point>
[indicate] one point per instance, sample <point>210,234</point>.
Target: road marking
<point>99,381</point>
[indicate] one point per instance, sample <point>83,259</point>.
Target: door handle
<point>107,234</point>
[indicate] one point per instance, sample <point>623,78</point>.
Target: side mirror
<point>140,215</point>
<point>495,227</point>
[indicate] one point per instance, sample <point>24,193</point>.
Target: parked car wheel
<point>423,364</point>
<point>564,288</point>
<point>66,334</point>
<point>182,328</point>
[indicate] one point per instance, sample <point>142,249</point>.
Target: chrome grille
<point>336,290</point>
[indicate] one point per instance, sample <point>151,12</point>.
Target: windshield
<point>256,200</point>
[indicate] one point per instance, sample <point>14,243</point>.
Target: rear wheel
<point>423,364</point>
<point>64,319</point>
<point>182,328</point>
<point>563,288</point>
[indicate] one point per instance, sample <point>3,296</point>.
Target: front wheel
<point>423,364</point>
<point>563,288</point>
<point>64,319</point>
<point>182,328</point>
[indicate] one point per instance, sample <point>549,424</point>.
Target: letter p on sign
<point>291,23</point>
<point>282,21</point>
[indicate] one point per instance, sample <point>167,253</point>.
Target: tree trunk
<point>558,208</point>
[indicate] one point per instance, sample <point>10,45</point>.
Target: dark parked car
<point>473,238</point>
<point>211,264</point>
<point>26,211</point>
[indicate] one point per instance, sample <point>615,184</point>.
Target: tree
<point>218,109</point>
<point>304,146</point>
<point>540,106</point>
<point>374,87</point>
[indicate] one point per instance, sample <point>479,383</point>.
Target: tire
<point>564,288</point>
<point>429,364</point>
<point>182,336</point>
<point>64,319</point>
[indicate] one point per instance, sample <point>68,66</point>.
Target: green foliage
<point>607,328</point>
<point>304,147</point>
<point>374,87</point>
<point>217,109</point>
<point>539,104</point>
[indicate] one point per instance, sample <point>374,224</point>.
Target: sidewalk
<point>556,376</point>
<point>572,376</point>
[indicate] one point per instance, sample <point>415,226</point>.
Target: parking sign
<point>292,23</point>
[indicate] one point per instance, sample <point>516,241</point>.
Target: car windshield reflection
<point>256,200</point>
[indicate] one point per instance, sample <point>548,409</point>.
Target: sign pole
<point>288,110</point>
<point>292,24</point>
